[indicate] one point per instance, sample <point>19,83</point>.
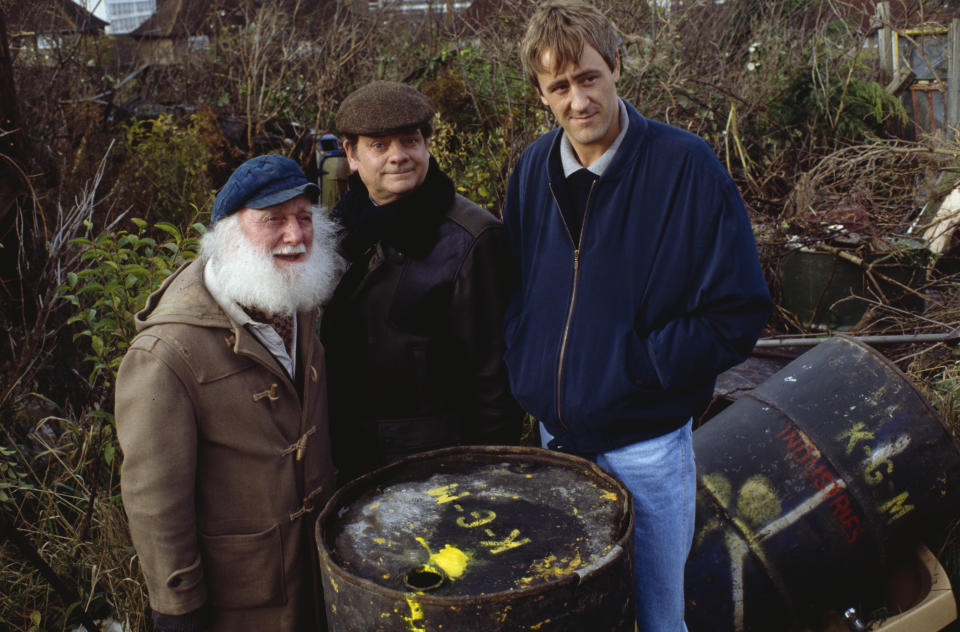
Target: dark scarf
<point>281,323</point>
<point>408,224</point>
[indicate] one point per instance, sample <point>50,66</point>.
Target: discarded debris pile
<point>865,243</point>
<point>866,246</point>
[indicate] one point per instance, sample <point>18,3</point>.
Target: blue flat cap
<point>262,182</point>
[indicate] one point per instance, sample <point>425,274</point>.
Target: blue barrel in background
<point>808,484</point>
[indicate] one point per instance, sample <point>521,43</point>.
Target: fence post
<point>885,42</point>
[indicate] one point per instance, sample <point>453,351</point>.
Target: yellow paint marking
<point>446,493</point>
<point>551,568</point>
<point>897,507</point>
<point>512,541</point>
<point>480,518</point>
<point>380,541</point>
<point>720,487</point>
<point>855,435</point>
<point>416,619</point>
<point>709,527</point>
<point>452,560</point>
<point>373,506</point>
<point>872,476</point>
<point>333,583</point>
<point>757,502</point>
<point>608,495</point>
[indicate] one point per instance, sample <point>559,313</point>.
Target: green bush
<point>166,171</point>
<point>118,271</point>
<point>487,114</point>
<point>59,485</point>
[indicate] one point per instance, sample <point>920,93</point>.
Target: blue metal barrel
<point>807,484</point>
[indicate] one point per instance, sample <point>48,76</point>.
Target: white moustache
<point>290,250</point>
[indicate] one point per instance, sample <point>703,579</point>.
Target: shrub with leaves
<point>487,114</point>
<point>118,271</point>
<point>166,172</point>
<point>59,485</point>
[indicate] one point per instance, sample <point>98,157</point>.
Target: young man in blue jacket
<point>638,282</point>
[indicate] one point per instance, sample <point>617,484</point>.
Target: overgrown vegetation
<point>123,154</point>
<point>167,166</point>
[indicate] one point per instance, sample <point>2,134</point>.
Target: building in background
<point>123,16</point>
<point>126,15</point>
<point>38,28</point>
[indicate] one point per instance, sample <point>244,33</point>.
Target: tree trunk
<point>11,175</point>
<point>11,182</point>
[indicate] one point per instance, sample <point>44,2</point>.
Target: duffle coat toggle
<point>300,445</point>
<point>270,394</point>
<point>307,506</point>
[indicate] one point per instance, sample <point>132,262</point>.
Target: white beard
<point>248,275</point>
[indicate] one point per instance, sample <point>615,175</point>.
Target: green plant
<point>118,271</point>
<point>832,105</point>
<point>166,167</point>
<point>12,474</point>
<point>487,113</point>
<point>60,483</point>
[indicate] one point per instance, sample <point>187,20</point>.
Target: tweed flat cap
<point>262,182</point>
<point>383,107</point>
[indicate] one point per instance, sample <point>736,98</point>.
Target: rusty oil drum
<point>481,539</point>
<point>806,486</point>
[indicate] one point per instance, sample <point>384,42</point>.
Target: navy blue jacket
<point>620,338</point>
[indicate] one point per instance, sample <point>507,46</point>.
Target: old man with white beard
<point>221,410</point>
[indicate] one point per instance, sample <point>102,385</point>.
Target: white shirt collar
<point>568,157</point>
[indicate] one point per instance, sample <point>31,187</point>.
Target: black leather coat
<point>414,343</point>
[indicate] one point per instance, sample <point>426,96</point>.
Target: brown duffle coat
<point>226,465</point>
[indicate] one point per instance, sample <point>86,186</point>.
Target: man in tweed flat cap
<point>222,415</point>
<point>412,333</point>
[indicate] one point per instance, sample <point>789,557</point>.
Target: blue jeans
<point>661,475</point>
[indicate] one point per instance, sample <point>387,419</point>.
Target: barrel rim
<point>625,521</point>
<point>903,376</point>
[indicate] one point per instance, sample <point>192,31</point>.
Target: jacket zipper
<point>573,294</point>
